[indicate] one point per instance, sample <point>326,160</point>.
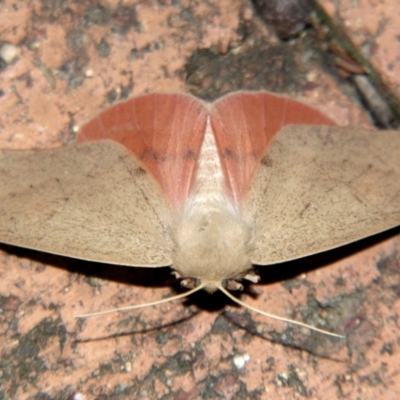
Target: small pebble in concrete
<point>9,52</point>
<point>241,360</point>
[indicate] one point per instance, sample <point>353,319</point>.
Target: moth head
<point>212,248</point>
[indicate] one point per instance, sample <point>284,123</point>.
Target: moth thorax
<point>212,245</point>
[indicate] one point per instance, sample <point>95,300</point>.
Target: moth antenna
<point>241,303</point>
<point>153,303</point>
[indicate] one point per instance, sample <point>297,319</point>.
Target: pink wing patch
<point>245,124</point>
<point>164,131</point>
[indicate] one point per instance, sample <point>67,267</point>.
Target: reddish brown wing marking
<point>164,131</point>
<point>244,125</point>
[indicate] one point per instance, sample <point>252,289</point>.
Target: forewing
<point>320,187</point>
<point>90,201</point>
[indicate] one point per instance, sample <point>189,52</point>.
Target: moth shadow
<point>291,337</point>
<point>135,329</point>
<point>285,272</point>
<point>291,269</point>
<point>205,302</point>
<point>162,277</point>
<point>316,344</point>
<point>134,276</point>
<point>89,270</point>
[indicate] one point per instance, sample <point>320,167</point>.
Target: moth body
<point>212,238</point>
<point>209,188</point>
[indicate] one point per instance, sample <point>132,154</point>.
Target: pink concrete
<point>182,350</point>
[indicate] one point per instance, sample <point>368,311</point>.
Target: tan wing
<point>319,188</point>
<point>91,201</point>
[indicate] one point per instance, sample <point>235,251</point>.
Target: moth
<point>210,189</point>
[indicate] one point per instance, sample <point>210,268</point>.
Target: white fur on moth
<point>208,188</point>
